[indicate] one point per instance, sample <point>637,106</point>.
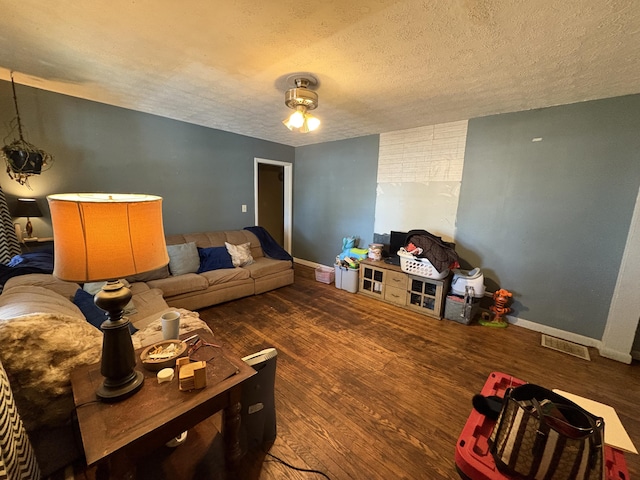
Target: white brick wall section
<point>431,153</point>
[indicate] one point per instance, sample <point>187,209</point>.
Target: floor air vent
<point>563,346</point>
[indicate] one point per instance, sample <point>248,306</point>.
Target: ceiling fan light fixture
<point>312,122</point>
<point>296,119</point>
<point>301,99</point>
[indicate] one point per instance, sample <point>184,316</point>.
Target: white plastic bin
<point>338,275</point>
<point>350,279</point>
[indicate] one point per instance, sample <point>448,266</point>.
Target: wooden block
<point>192,375</point>
<point>182,361</point>
<point>200,375</point>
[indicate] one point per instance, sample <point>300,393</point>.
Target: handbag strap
<point>556,420</point>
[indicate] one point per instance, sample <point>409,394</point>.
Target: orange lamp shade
<point>106,236</point>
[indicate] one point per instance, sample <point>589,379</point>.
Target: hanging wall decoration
<point>23,159</point>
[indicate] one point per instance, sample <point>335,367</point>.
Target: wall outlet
<point>244,209</point>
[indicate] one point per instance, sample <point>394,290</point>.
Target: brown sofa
<point>194,291</point>
<point>44,335</point>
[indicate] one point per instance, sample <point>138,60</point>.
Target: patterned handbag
<point>541,435</point>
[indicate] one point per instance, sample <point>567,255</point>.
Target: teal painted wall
<point>548,220</point>
<point>203,175</point>
<point>334,196</point>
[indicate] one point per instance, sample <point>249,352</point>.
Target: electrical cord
<point>86,403</point>
<point>299,469</point>
<point>277,459</point>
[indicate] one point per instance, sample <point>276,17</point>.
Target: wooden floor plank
<point>367,390</point>
<point>403,381</point>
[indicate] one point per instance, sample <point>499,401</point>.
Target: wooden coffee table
<point>115,435</point>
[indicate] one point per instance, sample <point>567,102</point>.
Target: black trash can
<point>258,414</point>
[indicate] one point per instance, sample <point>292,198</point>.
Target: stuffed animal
<point>350,250</point>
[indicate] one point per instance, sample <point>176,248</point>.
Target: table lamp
<point>28,207</point>
<point>108,237</point>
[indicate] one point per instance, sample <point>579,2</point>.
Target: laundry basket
<point>420,266</point>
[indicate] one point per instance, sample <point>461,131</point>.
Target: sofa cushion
<point>183,258</point>
<point>266,266</point>
<point>162,272</point>
<point>218,239</point>
<point>202,239</point>
<point>216,277</point>
<point>176,285</point>
<point>39,352</point>
<point>27,299</point>
<point>240,254</point>
<point>214,258</point>
<point>47,280</point>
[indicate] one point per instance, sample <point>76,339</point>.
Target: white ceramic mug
<point>171,325</point>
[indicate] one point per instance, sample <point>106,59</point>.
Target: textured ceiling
<point>381,65</point>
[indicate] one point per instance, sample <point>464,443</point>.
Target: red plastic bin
<point>473,459</point>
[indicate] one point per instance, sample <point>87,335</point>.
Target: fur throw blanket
<point>39,351</point>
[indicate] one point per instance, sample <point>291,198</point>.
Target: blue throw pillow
<point>213,258</point>
<point>94,314</point>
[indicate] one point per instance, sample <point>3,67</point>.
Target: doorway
<point>273,194</point>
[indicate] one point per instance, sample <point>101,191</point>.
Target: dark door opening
<point>271,200</point>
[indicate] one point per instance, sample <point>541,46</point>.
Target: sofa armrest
<point>45,280</point>
<point>138,287</point>
<point>148,305</point>
<point>27,299</point>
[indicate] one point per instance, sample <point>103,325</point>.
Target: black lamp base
<point>108,393</point>
<point>118,357</point>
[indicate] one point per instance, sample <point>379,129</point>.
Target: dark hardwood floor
<point>366,390</point>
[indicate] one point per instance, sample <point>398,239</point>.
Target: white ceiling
<point>381,65</point>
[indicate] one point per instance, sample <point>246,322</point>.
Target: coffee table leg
<point>117,466</point>
<point>231,430</point>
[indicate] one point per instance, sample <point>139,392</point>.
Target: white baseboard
<point>307,263</point>
<point>575,338</point>
<point>556,332</point>
<point>615,355</point>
